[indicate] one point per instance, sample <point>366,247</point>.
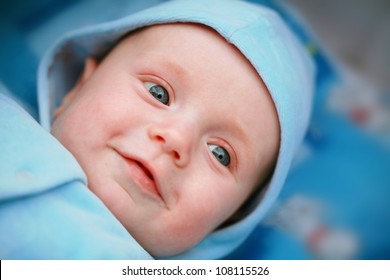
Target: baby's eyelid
<point>233,157</point>
<point>145,78</point>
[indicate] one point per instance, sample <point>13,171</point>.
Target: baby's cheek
<point>181,232</point>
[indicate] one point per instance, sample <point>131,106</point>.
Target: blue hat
<point>262,37</point>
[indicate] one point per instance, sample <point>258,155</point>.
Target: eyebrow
<point>164,64</point>
<point>178,70</point>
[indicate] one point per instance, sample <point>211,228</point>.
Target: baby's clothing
<point>46,209</point>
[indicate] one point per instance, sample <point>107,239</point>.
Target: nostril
<point>159,138</point>
<point>176,155</point>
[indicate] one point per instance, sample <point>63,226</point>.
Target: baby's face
<point>174,130</point>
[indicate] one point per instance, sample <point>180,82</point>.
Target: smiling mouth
<point>143,177</point>
<point>145,170</point>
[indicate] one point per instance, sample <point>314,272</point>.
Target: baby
<point>184,119</point>
<point>172,148</point>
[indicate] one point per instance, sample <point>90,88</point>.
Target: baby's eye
<point>158,92</point>
<point>220,154</point>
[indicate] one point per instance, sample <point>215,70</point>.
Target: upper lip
<point>147,168</point>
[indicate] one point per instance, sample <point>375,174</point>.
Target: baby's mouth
<point>142,174</point>
<point>143,177</point>
<point>146,171</point>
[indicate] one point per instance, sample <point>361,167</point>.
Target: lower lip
<point>141,179</point>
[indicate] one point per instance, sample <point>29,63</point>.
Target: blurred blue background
<point>335,201</point>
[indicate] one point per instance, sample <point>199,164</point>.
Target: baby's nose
<point>175,140</point>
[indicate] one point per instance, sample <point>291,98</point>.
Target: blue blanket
<point>46,209</point>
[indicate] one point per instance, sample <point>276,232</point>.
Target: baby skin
<point>174,130</point>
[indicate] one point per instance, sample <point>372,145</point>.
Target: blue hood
<point>263,38</point>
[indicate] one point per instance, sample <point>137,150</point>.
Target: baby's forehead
<point>193,46</point>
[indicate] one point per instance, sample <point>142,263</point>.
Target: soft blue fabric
<point>46,209</point>
<point>258,32</point>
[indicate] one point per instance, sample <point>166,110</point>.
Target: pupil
<point>222,155</point>
<point>160,94</point>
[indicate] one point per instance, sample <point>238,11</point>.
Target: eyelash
<point>160,82</point>
<point>158,92</point>
<point>233,160</point>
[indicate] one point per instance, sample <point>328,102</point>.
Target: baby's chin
<point>168,245</point>
<point>166,248</point>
